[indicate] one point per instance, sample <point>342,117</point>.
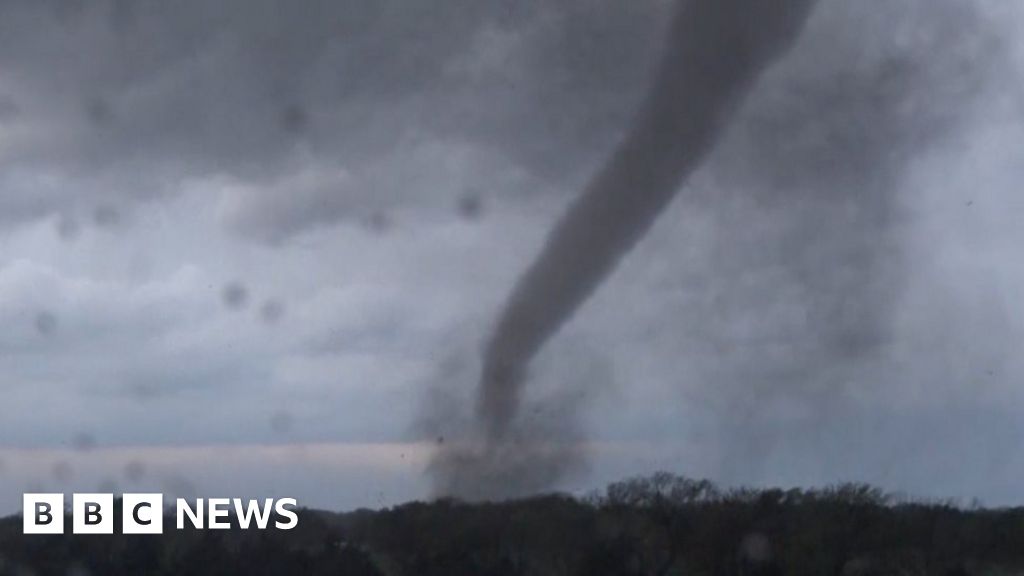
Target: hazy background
<point>242,244</point>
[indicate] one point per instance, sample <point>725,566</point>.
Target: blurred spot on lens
<point>281,422</point>
<point>107,486</point>
<point>180,487</point>
<point>379,222</point>
<point>98,111</point>
<point>134,471</point>
<point>46,323</point>
<point>106,216</point>
<point>756,548</point>
<point>235,295</point>
<point>294,119</point>
<point>62,471</point>
<point>83,442</point>
<point>271,311</point>
<point>470,206</point>
<point>68,228</point>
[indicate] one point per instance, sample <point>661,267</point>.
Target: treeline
<point>656,525</point>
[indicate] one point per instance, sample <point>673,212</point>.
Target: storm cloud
<point>831,296</point>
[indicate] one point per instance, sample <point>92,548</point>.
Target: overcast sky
<point>243,244</point>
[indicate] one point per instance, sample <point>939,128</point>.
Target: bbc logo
<point>93,513</point>
<point>144,513</point>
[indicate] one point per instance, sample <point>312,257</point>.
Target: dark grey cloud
<point>116,105</point>
<point>182,90</point>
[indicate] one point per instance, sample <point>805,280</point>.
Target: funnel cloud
<point>714,54</point>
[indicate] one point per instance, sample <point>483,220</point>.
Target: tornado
<point>713,56</point>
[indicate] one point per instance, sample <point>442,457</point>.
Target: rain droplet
<point>68,228</point>
<point>106,216</point>
<point>379,222</point>
<point>470,206</point>
<point>107,486</point>
<point>756,548</point>
<point>180,487</point>
<point>134,471</point>
<point>235,295</point>
<point>62,471</point>
<point>46,323</point>
<point>294,119</point>
<point>281,422</point>
<point>271,311</point>
<point>99,111</point>
<point>83,442</point>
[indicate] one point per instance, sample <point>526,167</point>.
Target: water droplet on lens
<point>46,323</point>
<point>471,206</point>
<point>235,295</point>
<point>271,311</point>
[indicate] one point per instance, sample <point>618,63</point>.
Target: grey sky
<point>152,155</point>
